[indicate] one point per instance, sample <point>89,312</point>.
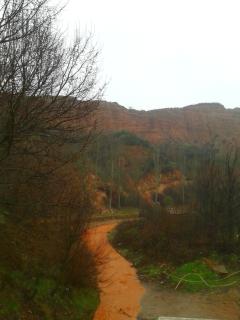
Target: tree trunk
<point>111,186</point>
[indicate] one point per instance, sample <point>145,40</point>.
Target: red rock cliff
<point>191,124</point>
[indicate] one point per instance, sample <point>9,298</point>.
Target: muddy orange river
<point>120,289</point>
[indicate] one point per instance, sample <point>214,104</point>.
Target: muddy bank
<point>121,290</point>
<point>158,301</point>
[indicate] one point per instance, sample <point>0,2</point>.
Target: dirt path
<point>121,290</point>
<point>159,301</point>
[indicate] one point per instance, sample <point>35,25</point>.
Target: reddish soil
<point>120,288</point>
<point>190,124</point>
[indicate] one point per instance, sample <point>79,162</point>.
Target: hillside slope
<point>192,124</point>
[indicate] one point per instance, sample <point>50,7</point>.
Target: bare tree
<point>48,90</point>
<point>218,195</point>
<point>230,195</point>
<point>48,94</point>
<point>15,13</point>
<point>157,171</point>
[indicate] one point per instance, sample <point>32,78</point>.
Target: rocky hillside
<point>192,124</point>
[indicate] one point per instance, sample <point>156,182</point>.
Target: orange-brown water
<point>121,290</point>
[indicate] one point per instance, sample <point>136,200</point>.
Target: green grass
<point>10,304</point>
<point>3,215</point>
<point>111,235</point>
<point>126,211</point>
<point>134,257</point>
<point>153,272</point>
<point>85,301</point>
<point>48,299</point>
<point>196,276</point>
<point>123,213</point>
<point>191,276</point>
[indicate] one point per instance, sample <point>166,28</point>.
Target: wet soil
<point>158,301</point>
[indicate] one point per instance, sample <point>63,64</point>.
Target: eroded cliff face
<point>192,124</point>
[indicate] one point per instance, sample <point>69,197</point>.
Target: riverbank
<point>164,297</point>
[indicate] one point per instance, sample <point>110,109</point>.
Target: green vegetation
<point>85,302</point>
<point>194,276</point>
<point>126,211</point>
<point>185,274</point>
<point>115,214</point>
<point>154,272</point>
<point>44,298</point>
<point>128,138</point>
<point>120,160</point>
<point>135,257</point>
<point>171,247</point>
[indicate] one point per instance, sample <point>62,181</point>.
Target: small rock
<point>215,266</point>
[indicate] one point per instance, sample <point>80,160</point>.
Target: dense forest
<point>200,182</point>
<point>189,201</point>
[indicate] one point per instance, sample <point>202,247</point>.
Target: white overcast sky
<point>164,53</point>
